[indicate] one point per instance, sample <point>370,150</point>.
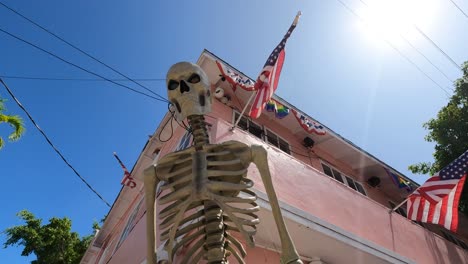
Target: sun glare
<point>388,19</point>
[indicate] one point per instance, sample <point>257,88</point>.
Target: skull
<point>188,88</point>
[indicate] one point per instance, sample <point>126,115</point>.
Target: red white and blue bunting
<point>308,125</point>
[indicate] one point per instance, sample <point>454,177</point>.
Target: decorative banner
<point>274,106</point>
<point>399,181</point>
<point>309,125</point>
<point>127,179</point>
<point>235,79</point>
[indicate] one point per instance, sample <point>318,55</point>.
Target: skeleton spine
<point>199,131</point>
<point>215,241</point>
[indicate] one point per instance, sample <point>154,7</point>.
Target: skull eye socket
<point>195,78</point>
<point>172,85</point>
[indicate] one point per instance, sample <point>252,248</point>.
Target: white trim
<point>314,223</point>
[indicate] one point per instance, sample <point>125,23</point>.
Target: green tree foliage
<point>14,121</point>
<point>53,243</point>
<point>449,130</point>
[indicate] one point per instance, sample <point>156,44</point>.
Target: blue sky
<point>335,70</point>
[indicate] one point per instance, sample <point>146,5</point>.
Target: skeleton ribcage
<point>207,199</point>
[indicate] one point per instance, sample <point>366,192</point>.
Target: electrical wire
<point>51,144</point>
<point>80,50</point>
<point>461,10</point>
<point>430,40</point>
<point>81,68</point>
<point>395,48</point>
<point>74,79</point>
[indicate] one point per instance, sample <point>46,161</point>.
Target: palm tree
<point>16,122</point>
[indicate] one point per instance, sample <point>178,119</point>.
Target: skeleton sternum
<point>214,224</point>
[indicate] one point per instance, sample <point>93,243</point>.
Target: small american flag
<point>127,180</point>
<point>267,81</point>
<point>436,201</point>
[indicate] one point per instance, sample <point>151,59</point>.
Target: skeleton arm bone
<point>151,181</point>
<point>289,254</point>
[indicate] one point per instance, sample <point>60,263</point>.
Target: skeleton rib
<point>236,243</point>
<point>178,194</point>
<point>214,173</point>
<point>226,186</point>
<point>179,171</point>
<point>188,239</point>
<point>223,162</point>
<point>191,251</point>
<point>177,182</point>
<point>236,255</point>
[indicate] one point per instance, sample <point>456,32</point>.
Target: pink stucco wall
<point>298,177</point>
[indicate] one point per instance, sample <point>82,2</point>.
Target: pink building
<point>334,196</point>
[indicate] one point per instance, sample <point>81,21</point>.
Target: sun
<point>389,19</point>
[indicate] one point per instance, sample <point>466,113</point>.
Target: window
<point>401,211</point>
<point>248,125</point>
<point>348,181</point>
<point>454,239</point>
<point>262,133</point>
<point>276,141</point>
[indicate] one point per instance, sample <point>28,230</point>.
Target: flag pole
<point>402,203</point>
<point>243,111</point>
<point>399,205</point>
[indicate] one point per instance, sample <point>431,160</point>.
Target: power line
<point>396,49</point>
<point>74,79</point>
<point>417,50</point>
<point>51,144</point>
<point>461,10</point>
<point>80,50</point>
<point>431,41</point>
<point>81,68</point>
<point>437,47</point>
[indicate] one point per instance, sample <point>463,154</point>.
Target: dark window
<point>284,146</point>
<point>256,130</point>
<point>327,170</point>
<point>259,131</point>
<point>351,183</point>
<point>360,188</point>
<point>337,176</point>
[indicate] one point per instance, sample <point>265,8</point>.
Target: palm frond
<point>18,125</point>
<point>1,142</point>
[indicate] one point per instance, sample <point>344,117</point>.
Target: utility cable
<point>395,48</point>
<point>80,50</point>
<point>428,39</point>
<point>417,50</point>
<point>461,10</point>
<point>52,145</point>
<point>74,79</point>
<point>81,68</point>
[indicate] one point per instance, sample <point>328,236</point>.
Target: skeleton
<point>207,196</point>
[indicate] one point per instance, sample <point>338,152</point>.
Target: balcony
<point>331,221</point>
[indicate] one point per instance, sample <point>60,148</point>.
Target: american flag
<point>127,180</point>
<point>444,213</point>
<point>436,201</point>
<point>442,183</point>
<point>267,81</point>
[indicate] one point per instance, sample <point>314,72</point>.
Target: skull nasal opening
<point>184,87</point>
